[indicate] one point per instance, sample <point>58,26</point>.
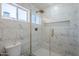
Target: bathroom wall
<point>12,32</point>
<point>75,24</point>
<point>64,20</point>
<point>0,31</point>
<point>60,40</point>
<point>59,12</point>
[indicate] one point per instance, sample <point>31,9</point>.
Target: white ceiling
<point>46,5</point>
<point>38,5</point>
<point>41,5</point>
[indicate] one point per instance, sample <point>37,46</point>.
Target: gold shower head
<point>40,11</point>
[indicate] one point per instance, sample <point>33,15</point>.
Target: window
<point>15,12</point>
<point>9,10</point>
<point>38,19</point>
<point>22,15</point>
<point>33,18</point>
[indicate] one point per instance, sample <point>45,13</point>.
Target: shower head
<point>40,11</point>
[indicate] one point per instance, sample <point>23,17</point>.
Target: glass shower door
<point>40,43</point>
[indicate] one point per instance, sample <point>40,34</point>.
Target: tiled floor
<point>44,52</point>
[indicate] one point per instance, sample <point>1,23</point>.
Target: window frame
<point>26,15</point>
<point>17,7</point>
<point>5,17</point>
<point>37,15</point>
<point>35,21</point>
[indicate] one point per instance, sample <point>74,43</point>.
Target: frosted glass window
<point>33,18</point>
<point>38,19</point>
<point>22,15</point>
<point>8,10</point>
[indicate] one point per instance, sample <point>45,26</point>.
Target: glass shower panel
<point>56,37</point>
<point>60,40</point>
<point>40,44</point>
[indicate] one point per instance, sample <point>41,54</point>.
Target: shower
<point>42,29</point>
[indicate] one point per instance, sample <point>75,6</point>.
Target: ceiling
<point>46,5</point>
<point>41,5</point>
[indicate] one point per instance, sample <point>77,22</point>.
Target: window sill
<point>13,19</point>
<point>8,18</point>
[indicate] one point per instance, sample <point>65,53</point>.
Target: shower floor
<point>44,52</point>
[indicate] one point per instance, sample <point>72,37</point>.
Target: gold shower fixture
<point>40,11</point>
